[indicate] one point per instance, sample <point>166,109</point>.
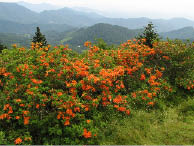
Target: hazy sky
<point>130,8</point>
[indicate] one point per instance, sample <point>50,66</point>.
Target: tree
<point>39,38</point>
<point>149,34</point>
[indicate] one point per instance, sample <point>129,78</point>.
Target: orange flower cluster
<point>87,134</point>
<point>70,86</point>
<point>18,140</point>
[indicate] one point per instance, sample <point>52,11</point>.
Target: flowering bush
<point>55,96</point>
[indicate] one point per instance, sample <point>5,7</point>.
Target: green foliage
<point>111,34</point>
<point>104,96</point>
<point>2,47</point>
<point>149,34</point>
<point>39,38</point>
<point>169,127</point>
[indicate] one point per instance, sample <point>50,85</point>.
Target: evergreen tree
<point>149,34</point>
<point>39,38</point>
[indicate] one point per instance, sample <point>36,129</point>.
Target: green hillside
<point>183,34</point>
<point>111,34</point>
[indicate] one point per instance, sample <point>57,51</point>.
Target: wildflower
<point>76,109</point>
<point>151,103</point>
<point>25,112</point>
<point>27,138</point>
<point>18,100</point>
<point>158,74</point>
<point>127,112</point>
<point>134,95</point>
<point>22,105</point>
<point>26,120</point>
<point>142,77</point>
<point>122,109</point>
<point>88,121</point>
<point>37,106</point>
<point>18,140</point>
<point>59,93</point>
<point>17,117</point>
<point>14,45</point>
<point>87,134</point>
<point>36,81</point>
<point>66,123</point>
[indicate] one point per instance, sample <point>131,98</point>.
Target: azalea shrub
<point>56,96</point>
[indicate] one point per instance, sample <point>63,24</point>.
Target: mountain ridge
<point>16,13</point>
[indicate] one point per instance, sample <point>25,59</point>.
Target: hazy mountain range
<point>39,7</point>
<point>77,18</point>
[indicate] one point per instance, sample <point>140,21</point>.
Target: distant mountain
<point>109,33</point>
<point>82,17</point>
<point>183,34</point>
<point>13,27</point>
<point>69,16</point>
<point>93,12</point>
<point>16,13</point>
<point>161,25</point>
<point>39,7</point>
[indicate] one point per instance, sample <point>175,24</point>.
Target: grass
<point>172,126</point>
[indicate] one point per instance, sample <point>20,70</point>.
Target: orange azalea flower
<point>36,81</point>
<point>10,110</point>
<point>122,109</point>
<point>88,121</point>
<point>17,117</point>
<point>87,134</point>
<point>158,74</point>
<point>29,92</point>
<point>166,57</point>
<point>66,123</point>
<point>27,138</point>
<point>18,140</point>
<point>18,100</point>
<point>6,106</point>
<point>26,120</point>
<point>58,116</point>
<point>76,109</point>
<point>37,106</point>
<point>142,77</point>
<point>86,109</point>
<point>14,45</point>
<point>134,95</point>
<point>59,93</point>
<point>151,103</point>
<point>25,112</point>
<point>149,95</point>
<point>148,70</point>
<point>7,74</point>
<point>69,112</point>
<point>22,105</point>
<point>3,116</point>
<point>86,44</point>
<point>128,112</point>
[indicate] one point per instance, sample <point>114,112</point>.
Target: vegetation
<point>117,91</point>
<point>39,38</point>
<point>2,47</point>
<point>149,35</point>
<point>132,94</point>
<point>111,34</point>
